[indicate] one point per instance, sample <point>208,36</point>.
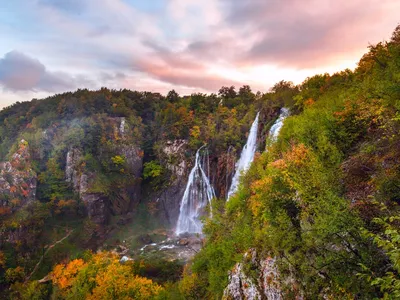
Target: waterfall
<point>276,127</point>
<point>198,194</point>
<point>227,173</point>
<point>122,126</point>
<point>246,157</point>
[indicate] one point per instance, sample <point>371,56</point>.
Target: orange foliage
<point>109,279</point>
<point>13,189</point>
<point>63,206</point>
<point>64,275</point>
<point>3,259</point>
<point>25,193</point>
<point>279,171</point>
<point>279,164</point>
<point>309,102</point>
<point>362,111</point>
<point>298,156</point>
<point>4,211</point>
<point>15,202</point>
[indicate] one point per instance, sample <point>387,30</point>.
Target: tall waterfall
<point>246,157</point>
<point>274,131</point>
<point>198,194</point>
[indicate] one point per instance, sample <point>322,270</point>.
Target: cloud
<point>307,33</point>
<point>20,72</point>
<point>184,44</point>
<point>180,68</point>
<point>187,77</point>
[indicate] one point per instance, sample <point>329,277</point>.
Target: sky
<point>53,46</point>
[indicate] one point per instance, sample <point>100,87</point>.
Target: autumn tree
<point>102,276</point>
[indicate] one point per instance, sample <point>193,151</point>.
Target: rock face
<point>18,181</point>
<point>134,163</point>
<point>173,155</point>
<point>71,169</point>
<point>176,160</point>
<point>98,205</point>
<point>262,284</point>
<point>272,113</point>
<point>222,169</point>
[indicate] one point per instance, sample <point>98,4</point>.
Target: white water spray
<point>276,127</point>
<point>246,157</point>
<point>198,194</point>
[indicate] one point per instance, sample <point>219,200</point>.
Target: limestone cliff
<point>173,157</point>
<point>257,278</point>
<point>84,181</point>
<point>18,181</point>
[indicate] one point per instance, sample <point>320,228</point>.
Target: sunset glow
<point>191,46</point>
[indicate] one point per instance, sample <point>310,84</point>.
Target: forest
<point>321,201</point>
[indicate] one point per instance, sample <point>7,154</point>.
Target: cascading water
<point>198,194</point>
<point>276,127</point>
<point>246,157</point>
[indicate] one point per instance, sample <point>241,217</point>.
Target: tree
<point>102,276</point>
<point>227,92</point>
<point>246,95</point>
<point>172,96</point>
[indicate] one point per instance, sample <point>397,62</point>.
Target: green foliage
<point>118,160</point>
<point>152,169</point>
<point>32,290</point>
<point>305,199</point>
<point>389,241</point>
<point>15,274</point>
<point>160,270</point>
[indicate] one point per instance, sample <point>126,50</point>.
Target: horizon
<point>51,47</point>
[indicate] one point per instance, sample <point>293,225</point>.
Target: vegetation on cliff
<point>324,198</point>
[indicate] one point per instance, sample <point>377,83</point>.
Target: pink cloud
<point>311,33</point>
<point>188,77</point>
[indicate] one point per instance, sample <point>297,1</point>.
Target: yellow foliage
<point>195,132</point>
<point>110,279</point>
<point>117,282</point>
<point>255,205</point>
<point>190,284</point>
